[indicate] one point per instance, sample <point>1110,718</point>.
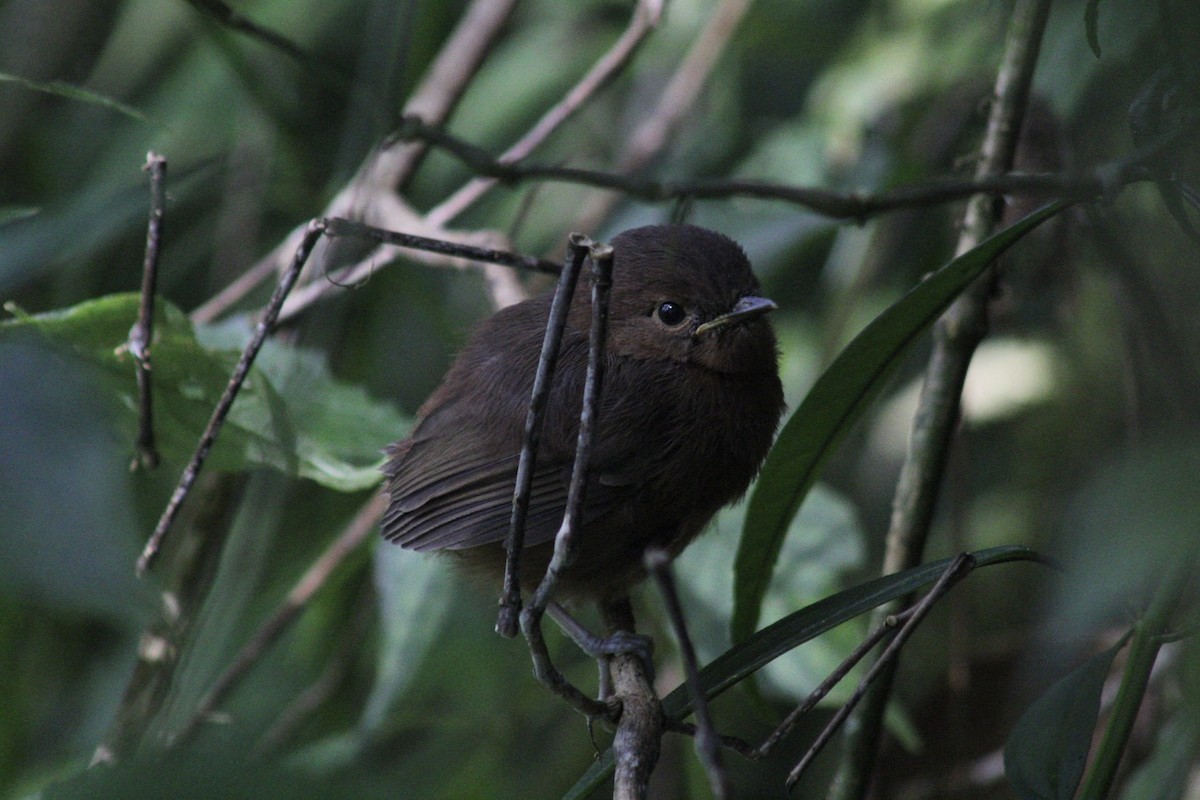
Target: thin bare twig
<point>504,291</point>
<point>835,677</point>
<point>644,19</point>
<point>856,206</point>
<point>564,542</point>
<point>508,621</point>
<point>140,338</point>
<point>264,328</point>
<point>296,600</point>
<point>958,568</point>
<point>350,277</point>
<point>708,743</point>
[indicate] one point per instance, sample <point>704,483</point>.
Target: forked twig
<point>508,621</point>
<point>389,166</point>
<point>961,565</point>
<point>899,626</point>
<point>564,543</point>
<point>644,19</point>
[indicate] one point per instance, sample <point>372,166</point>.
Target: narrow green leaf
<point>291,414</point>
<point>76,93</point>
<point>764,646</point>
<point>1047,750</point>
<point>834,404</point>
<point>414,592</point>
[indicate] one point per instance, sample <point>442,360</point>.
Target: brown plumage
<point>691,399</point>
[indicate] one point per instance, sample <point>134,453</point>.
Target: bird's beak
<point>744,309</point>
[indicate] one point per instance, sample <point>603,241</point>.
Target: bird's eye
<point>670,313</point>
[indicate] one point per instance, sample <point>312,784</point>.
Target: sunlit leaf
<point>291,414</point>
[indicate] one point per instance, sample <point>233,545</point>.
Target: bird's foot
<point>603,648</point>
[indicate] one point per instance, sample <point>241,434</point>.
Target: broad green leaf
<point>1046,751</point>
<point>766,645</point>
<point>834,404</point>
<point>291,414</point>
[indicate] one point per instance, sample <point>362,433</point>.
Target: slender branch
<point>564,542</point>
<point>958,568</point>
<point>296,600</point>
<point>389,166</point>
<point>510,601</point>
<point>646,15</point>
<point>708,743</point>
<point>264,328</point>
<point>234,20</point>
<point>881,632</point>
<point>140,338</point>
<point>955,337</point>
<point>644,19</point>
<point>856,206</point>
<point>442,87</point>
<point>901,625</point>
<point>355,275</point>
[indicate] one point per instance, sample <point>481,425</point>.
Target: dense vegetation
<point>1076,436</point>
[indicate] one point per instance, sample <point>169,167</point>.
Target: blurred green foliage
<point>1091,457</point>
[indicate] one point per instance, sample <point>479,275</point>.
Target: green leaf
<point>414,594</point>
<point>824,544</point>
<point>75,93</point>
<point>1046,751</point>
<point>834,404</point>
<point>290,415</point>
<point>764,646</point>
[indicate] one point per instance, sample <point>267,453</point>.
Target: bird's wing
<point>445,497</point>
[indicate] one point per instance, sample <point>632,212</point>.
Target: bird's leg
<point>548,674</point>
<point>603,648</point>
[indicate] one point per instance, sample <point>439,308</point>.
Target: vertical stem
<point>140,338</point>
<point>955,337</point>
<point>564,542</point>
<point>1143,650</point>
<point>510,599</point>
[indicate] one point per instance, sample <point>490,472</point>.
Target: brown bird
<point>691,399</point>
